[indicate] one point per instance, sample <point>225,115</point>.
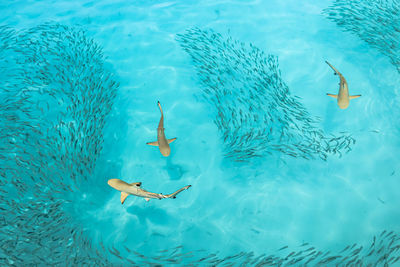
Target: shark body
<point>162,142</point>
<point>136,190</point>
<point>343,97</point>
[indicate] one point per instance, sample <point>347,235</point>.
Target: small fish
<point>343,98</point>
<point>380,200</point>
<point>135,189</point>
<point>290,254</point>
<point>162,142</point>
<point>327,260</point>
<point>282,248</point>
<point>311,248</point>
<point>356,251</point>
<point>389,234</point>
<point>370,253</point>
<point>131,261</point>
<point>383,233</point>
<point>398,258</point>
<point>373,242</point>
<point>304,244</point>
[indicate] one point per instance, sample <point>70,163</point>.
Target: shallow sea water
<point>257,206</point>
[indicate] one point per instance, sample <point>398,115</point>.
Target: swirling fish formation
<point>384,250</point>
<point>55,95</point>
<point>256,113</point>
<point>375,22</point>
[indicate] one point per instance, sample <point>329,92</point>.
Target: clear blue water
<point>73,119</point>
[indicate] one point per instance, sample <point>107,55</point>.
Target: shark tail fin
<point>171,140</point>
<point>161,123</point>
<point>159,106</point>
<point>123,197</point>
<point>332,67</point>
<point>173,195</point>
<point>155,143</point>
<point>334,96</point>
<point>354,96</point>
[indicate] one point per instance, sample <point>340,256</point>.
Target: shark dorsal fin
<point>136,184</point>
<point>123,197</point>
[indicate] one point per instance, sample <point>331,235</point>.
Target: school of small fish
<point>55,96</point>
<point>375,22</point>
<point>255,112</point>
<point>384,250</point>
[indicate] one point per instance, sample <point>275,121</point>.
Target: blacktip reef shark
<point>343,98</point>
<point>135,190</point>
<point>162,142</point>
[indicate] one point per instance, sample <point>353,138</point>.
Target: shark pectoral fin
<point>334,96</point>
<point>147,199</point>
<point>171,140</point>
<point>354,96</point>
<point>152,143</point>
<point>123,197</point>
<point>136,184</point>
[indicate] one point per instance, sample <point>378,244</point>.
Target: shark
<point>136,190</point>
<point>162,142</point>
<point>343,97</point>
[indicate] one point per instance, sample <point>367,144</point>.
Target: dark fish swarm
<point>384,250</point>
<point>55,95</point>
<point>378,24</point>
<point>255,111</point>
<point>375,22</point>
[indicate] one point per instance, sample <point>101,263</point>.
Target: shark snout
<point>111,182</point>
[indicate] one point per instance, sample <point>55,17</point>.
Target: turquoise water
<point>275,166</point>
